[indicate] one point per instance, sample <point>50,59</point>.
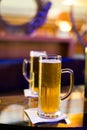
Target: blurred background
<point>64,32</point>
<point>56,35</point>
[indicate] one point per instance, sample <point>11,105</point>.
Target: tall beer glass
<point>32,74</point>
<point>50,71</point>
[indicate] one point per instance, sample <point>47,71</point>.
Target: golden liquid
<point>34,68</point>
<point>49,87</point>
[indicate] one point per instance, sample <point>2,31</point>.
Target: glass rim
<point>50,57</point>
<point>37,53</point>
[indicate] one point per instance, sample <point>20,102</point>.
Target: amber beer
<point>34,69</point>
<point>50,70</point>
<point>34,73</point>
<point>50,80</point>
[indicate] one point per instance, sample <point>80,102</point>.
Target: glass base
<point>49,116</point>
<point>34,93</point>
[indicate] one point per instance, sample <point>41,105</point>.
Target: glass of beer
<point>31,72</point>
<point>50,70</point>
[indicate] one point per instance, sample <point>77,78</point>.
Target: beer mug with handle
<point>50,71</point>
<point>31,74</point>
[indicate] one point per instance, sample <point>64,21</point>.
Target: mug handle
<point>25,71</point>
<point>70,71</point>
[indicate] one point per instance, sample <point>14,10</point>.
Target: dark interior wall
<point>11,77</point>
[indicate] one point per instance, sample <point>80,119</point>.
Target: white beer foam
<point>50,61</point>
<point>37,53</point>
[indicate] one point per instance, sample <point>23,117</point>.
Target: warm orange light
<point>63,22</point>
<point>64,26</point>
